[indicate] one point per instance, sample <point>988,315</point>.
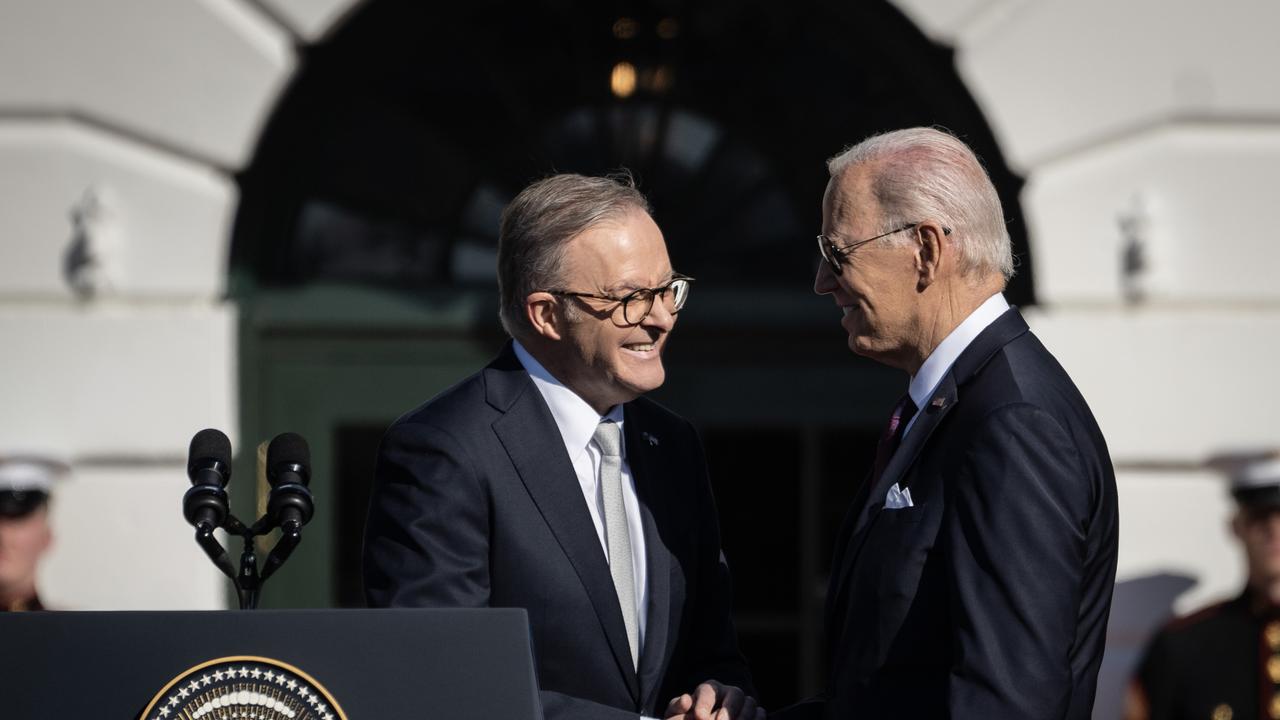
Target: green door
<point>337,366</point>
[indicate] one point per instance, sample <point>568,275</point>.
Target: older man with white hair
<point>974,573</point>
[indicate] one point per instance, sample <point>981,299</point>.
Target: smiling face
<point>597,356</point>
<point>877,287</point>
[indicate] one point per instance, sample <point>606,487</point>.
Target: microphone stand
<point>249,581</point>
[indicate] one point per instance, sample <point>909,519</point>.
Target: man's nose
<point>659,316</point>
<point>824,281</point>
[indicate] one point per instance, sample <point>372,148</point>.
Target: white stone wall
<point>136,112</point>
<point>1165,116</point>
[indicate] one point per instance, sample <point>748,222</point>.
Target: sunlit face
<point>600,358</point>
<point>1259,531</point>
<point>22,541</point>
<point>877,286</point>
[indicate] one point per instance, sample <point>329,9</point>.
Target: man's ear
<point>542,310</point>
<point>933,252</point>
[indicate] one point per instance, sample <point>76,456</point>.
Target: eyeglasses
<point>835,256</point>
<point>637,304</point>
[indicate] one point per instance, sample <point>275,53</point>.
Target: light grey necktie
<point>617,535</point>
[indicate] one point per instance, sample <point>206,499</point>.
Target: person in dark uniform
<point>1223,662</point>
<point>25,534</point>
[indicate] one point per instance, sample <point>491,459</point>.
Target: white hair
<point>922,173</point>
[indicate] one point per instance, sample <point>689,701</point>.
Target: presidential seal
<point>243,688</point>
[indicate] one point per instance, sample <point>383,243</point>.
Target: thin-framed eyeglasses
<point>637,304</point>
<point>836,255</point>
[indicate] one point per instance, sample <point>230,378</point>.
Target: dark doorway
<point>403,136</point>
<point>355,447</point>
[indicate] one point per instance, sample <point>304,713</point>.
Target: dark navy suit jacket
<point>476,504</point>
<point>989,597</point>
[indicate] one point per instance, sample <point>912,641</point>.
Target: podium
<point>369,664</point>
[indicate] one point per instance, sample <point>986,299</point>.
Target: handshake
<point>714,701</point>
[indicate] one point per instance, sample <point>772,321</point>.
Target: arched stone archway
<point>406,130</point>
<point>365,243</point>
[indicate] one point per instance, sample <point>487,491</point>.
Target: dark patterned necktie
<point>892,436</point>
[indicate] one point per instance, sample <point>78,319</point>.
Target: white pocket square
<point>897,498</point>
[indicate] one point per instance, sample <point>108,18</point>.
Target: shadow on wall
<point>1138,608</point>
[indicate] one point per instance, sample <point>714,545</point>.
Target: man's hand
<point>713,701</point>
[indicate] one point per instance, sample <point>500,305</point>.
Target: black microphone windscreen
<point>287,449</point>
<point>209,444</point>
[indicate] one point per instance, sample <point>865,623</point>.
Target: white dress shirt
<point>935,367</point>
<point>577,423</point>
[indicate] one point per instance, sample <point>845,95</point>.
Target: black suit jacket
<point>476,504</point>
<point>989,597</point>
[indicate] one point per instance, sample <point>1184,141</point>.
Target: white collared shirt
<point>935,366</point>
<point>577,423</point>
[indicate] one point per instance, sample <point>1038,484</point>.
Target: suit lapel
<point>927,420</point>
<point>841,556</point>
<point>647,466</point>
<point>528,433</point>
<point>999,333</point>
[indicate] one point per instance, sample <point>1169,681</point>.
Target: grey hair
<point>537,226</point>
<point>924,173</point>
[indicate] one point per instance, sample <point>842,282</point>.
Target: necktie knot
<point>892,436</point>
<point>608,438</point>
<point>902,414</point>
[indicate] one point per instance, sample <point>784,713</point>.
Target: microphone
<point>290,506</point>
<point>209,468</point>
<point>205,504</point>
<point>289,471</point>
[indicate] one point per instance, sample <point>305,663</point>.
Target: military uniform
<point>1221,663</point>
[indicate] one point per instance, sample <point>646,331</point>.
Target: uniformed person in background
<point>25,535</point>
<point>1223,662</point>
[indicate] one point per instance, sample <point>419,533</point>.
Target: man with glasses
<point>973,575</point>
<point>546,481</point>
